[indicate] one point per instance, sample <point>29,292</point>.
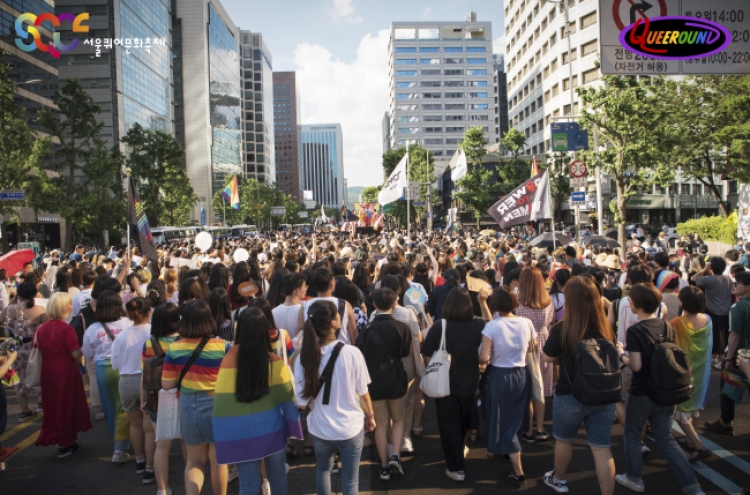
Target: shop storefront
<point>654,209</point>
<point>46,229</point>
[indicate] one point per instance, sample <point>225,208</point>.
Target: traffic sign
<point>278,211</point>
<point>578,197</point>
<point>568,136</point>
<point>578,169</point>
<point>419,203</point>
<point>575,183</point>
<point>12,196</point>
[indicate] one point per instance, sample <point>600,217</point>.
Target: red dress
<point>65,409</point>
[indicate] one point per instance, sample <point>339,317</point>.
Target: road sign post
<point>12,196</point>
<point>568,136</point>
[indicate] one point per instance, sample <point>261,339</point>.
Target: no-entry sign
<point>578,169</point>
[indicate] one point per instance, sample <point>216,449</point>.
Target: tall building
<point>257,81</point>
<point>323,163</point>
<point>501,97</point>
<point>208,96</point>
<point>441,83</point>
<point>286,113</point>
<point>386,132</point>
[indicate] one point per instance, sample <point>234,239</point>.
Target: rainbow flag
<point>697,343</point>
<point>251,431</point>
<point>231,193</point>
<point>534,166</point>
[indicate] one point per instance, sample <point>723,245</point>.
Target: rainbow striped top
<point>251,431</point>
<point>203,373</point>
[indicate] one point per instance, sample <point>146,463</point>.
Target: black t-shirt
<point>639,339</point>
<point>462,342</point>
<point>553,348</point>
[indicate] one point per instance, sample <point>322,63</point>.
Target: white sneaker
<point>407,447</point>
<point>120,457</point>
<point>560,486</point>
<point>455,475</point>
<point>636,486</point>
<point>265,488</point>
<point>168,491</point>
<point>645,450</point>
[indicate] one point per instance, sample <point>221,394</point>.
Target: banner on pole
<point>140,230</point>
<point>526,203</point>
<point>393,189</point>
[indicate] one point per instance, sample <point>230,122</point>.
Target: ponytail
<point>317,327</point>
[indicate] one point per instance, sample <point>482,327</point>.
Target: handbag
<point>535,372</point>
<point>436,378</point>
<point>34,366</point>
<point>168,415</point>
<point>281,352</point>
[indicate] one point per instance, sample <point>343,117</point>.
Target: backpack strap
<point>193,358</point>
<point>616,304</point>
<point>108,332</point>
<point>327,376</point>
<point>156,346</point>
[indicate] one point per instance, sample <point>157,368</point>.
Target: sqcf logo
<point>26,28</point>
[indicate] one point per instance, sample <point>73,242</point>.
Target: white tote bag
<point>168,416</point>
<point>436,379</point>
<point>34,366</point>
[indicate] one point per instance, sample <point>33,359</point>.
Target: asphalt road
<point>37,470</point>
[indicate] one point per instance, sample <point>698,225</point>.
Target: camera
<point>8,345</point>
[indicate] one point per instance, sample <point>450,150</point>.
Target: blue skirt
<point>507,400</point>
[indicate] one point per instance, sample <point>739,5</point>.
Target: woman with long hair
<point>275,335</point>
<point>536,305</point>
<point>197,329</point>
<point>255,386</point>
<point>98,339</point>
<point>335,409</point>
<point>65,410</point>
<point>219,277</point>
<point>584,319</point>
<point>505,341</point>
<point>221,309</point>
<point>275,294</point>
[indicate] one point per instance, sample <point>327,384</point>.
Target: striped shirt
<point>203,373</point>
<point>275,345</point>
<point>148,350</point>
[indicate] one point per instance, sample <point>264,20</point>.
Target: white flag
<point>461,167</point>
<point>393,189</point>
<point>323,216</point>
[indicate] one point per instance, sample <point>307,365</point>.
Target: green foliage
<point>474,190</point>
<point>391,159</point>
<point>474,145</point>
<point>712,228</point>
<point>559,178</point>
<point>157,164</point>
<point>370,194</point>
<point>256,200</point>
<point>421,168</point>
<point>514,141</point>
<point>734,105</point>
<point>20,152</point>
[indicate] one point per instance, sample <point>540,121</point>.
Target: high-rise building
<point>501,97</point>
<point>208,96</point>
<point>286,115</point>
<point>441,83</point>
<point>257,81</point>
<point>323,163</point>
<point>386,132</point>
<point>537,65</point>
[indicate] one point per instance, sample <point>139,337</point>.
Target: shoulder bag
<point>436,378</point>
<point>34,366</point>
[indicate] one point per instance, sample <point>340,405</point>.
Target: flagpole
<point>224,206</point>
<point>408,195</point>
<point>552,210</point>
<point>127,174</point>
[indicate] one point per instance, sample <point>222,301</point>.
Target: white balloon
<point>241,255</point>
<point>203,241</point>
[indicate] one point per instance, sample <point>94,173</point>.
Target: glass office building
<point>323,163</point>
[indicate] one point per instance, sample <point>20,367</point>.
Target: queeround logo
<point>25,29</point>
<point>675,38</point>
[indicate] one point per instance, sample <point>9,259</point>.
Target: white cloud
<point>343,10</point>
<point>498,45</point>
<point>354,95</point>
<point>427,12</point>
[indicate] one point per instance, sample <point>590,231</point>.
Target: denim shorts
<point>196,411</point>
<point>568,414</point>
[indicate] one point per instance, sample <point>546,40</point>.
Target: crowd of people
<point>326,337</point>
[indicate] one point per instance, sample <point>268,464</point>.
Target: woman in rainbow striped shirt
<point>254,410</point>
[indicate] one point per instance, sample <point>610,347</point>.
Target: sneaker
<point>395,463</point>
<point>148,477</point>
<point>233,474</point>
<point>719,427</point>
<point>390,450</point>
<point>265,487</point>
<point>455,475</point>
<point>624,480</point>
<point>515,479</point>
<point>645,450</point>
<point>560,486</point>
<point>541,436</point>
<point>385,473</point>
<point>140,467</point>
<point>120,457</point>
<point>407,447</point>
<point>67,451</point>
<point>168,491</point>
<point>335,468</point>
<point>529,438</point>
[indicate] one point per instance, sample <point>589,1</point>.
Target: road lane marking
<point>19,427</point>
<point>26,442</point>
<point>720,451</point>
<point>716,478</point>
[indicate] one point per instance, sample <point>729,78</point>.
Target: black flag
<point>140,230</point>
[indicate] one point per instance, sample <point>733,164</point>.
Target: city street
<point>37,471</point>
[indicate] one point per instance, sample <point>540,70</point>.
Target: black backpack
<point>384,365</point>
<point>670,378</point>
<point>82,321</point>
<point>597,379</point>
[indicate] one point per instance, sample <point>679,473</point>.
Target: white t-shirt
<point>344,333</point>
<point>287,317</point>
<point>128,347</point>
<point>510,340</point>
<point>342,418</point>
<point>96,344</point>
<point>79,300</point>
<point>626,318</point>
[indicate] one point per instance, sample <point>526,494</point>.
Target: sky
<point>339,49</point>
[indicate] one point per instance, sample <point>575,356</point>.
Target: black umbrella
<point>597,240</point>
<point>612,234</point>
<point>545,240</point>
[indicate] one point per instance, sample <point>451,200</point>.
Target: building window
<point>429,49</point>
<point>590,75</point>
<point>477,84</point>
<point>431,95</point>
<point>454,72</point>
<point>476,49</point>
<point>478,106</point>
<point>406,96</point>
<point>406,61</point>
<point>432,106</point>
<point>476,72</point>
<point>408,130</point>
<point>455,129</point>
<point>476,60</point>
<point>477,95</point>
<point>589,47</point>
<point>429,61</point>
<point>454,117</point>
<point>432,141</point>
<point>588,20</point>
<point>454,84</point>
<point>405,33</point>
<point>454,60</point>
<point>406,108</point>
<point>430,72</point>
<point>573,54</point>
<point>432,118</point>
<point>406,84</point>
<point>454,95</point>
<point>430,84</point>
<point>455,106</point>
<point>433,129</point>
<point>453,49</point>
<point>406,49</point>
<point>406,73</point>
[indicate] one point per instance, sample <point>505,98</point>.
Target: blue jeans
<point>196,412</point>
<point>275,470</point>
<point>639,409</point>
<point>568,414</point>
<point>351,451</point>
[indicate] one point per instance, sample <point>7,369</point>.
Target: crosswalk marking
<point>19,427</point>
<point>26,442</point>
<point>717,479</point>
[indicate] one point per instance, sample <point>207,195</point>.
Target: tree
<point>76,128</point>
<point>514,141</point>
<point>474,189</point>
<point>559,177</point>
<point>735,133</point>
<point>391,159</point>
<point>157,164</point>
<point>370,194</point>
<point>634,119</point>
<point>512,172</point>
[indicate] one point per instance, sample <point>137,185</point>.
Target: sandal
<point>291,453</point>
<point>699,455</point>
<point>683,442</point>
<point>26,415</point>
<point>417,432</point>
<point>309,451</point>
<point>473,434</point>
